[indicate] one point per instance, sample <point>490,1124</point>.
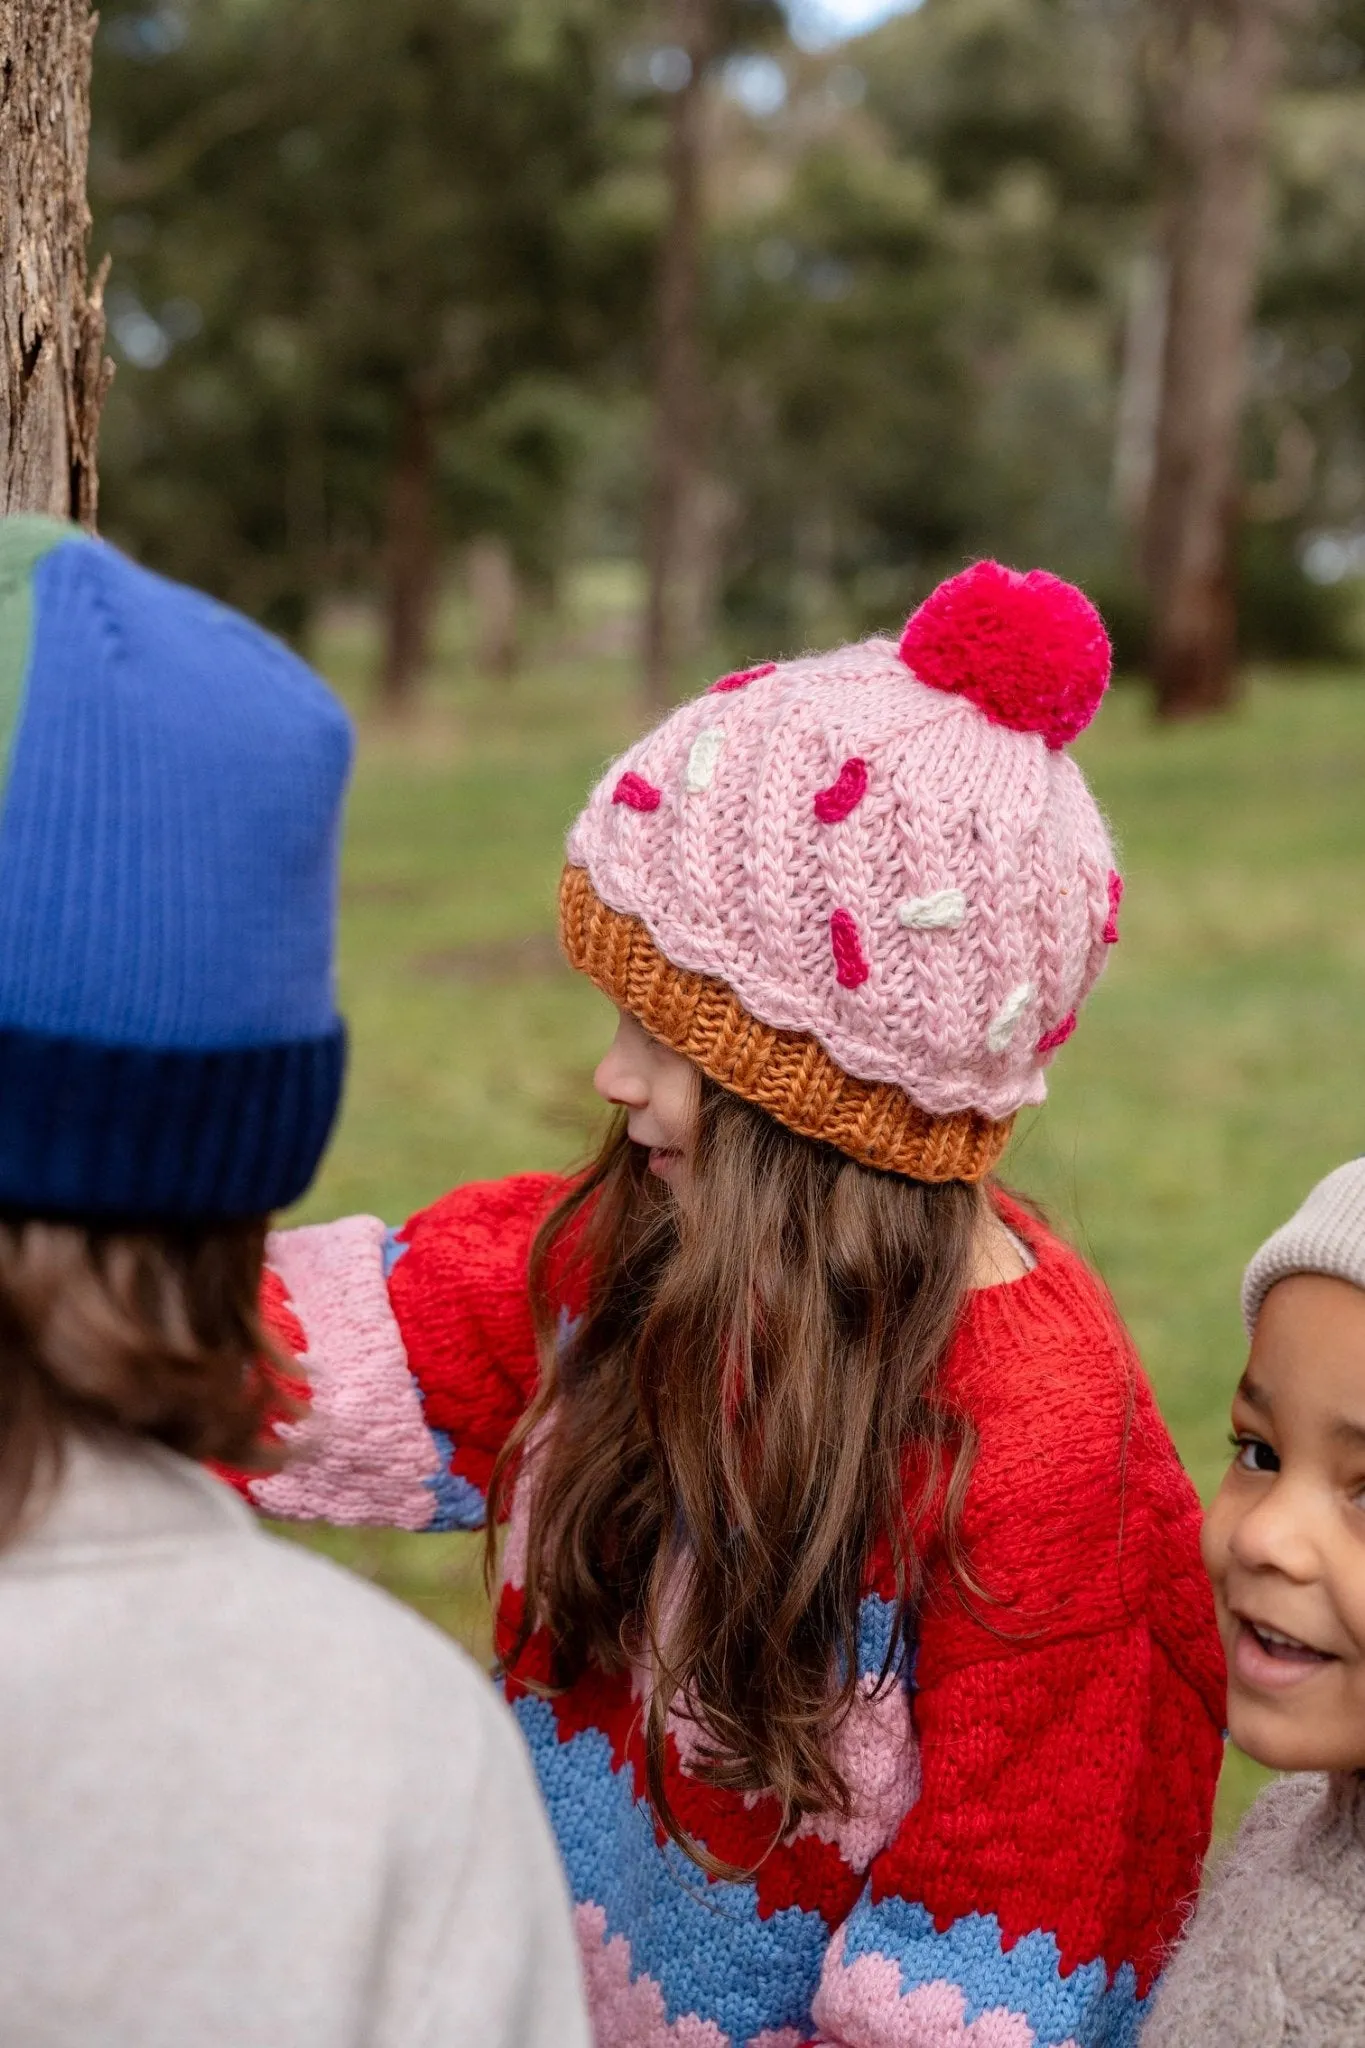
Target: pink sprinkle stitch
<point>1058,1035</point>
<point>850,961</point>
<point>844,794</point>
<point>740,677</point>
<point>632,789</point>
<point>1110,933</point>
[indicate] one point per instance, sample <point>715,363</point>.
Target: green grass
<point>1216,1074</point>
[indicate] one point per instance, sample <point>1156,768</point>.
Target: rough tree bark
<point>410,554</point>
<point>677,466</point>
<point>53,370</point>
<point>1213,66</point>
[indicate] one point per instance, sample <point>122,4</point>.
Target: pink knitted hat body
<point>882,856</point>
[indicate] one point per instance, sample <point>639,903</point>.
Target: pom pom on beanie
<point>1030,651</point>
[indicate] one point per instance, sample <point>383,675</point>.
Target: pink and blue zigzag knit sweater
<point>1032,1795</point>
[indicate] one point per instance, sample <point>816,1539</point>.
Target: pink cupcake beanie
<point>867,890</point>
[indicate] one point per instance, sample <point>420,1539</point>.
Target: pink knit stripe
<point>519,1518</point>
<point>781,2037</point>
<point>363,1452</point>
<point>876,1750</point>
<point>861,2005</point>
<point>626,2012</point>
<point>844,794</point>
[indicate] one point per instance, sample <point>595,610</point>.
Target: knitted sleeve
<point>416,1357</point>
<point>1068,1723</point>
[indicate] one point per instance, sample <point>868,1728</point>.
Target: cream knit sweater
<point>1276,1952</point>
<point>248,1802</point>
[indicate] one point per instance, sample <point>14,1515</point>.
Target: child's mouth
<point>663,1159</point>
<point>1267,1657</point>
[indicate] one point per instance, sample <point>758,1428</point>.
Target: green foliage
<point>920,339</point>
<point>328,218</point>
<point>325,214</point>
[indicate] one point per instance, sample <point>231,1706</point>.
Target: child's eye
<point>1254,1454</point>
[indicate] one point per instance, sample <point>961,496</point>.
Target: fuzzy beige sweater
<point>1276,1951</point>
<point>246,1801</point>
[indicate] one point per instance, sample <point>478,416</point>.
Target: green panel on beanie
<point>24,540</point>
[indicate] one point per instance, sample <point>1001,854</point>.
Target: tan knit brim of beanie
<point>788,1073</point>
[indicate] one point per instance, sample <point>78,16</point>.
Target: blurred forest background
<point>385,289</point>
<point>529,361</point>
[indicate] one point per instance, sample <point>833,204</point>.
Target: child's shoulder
<point>399,1672</point>
<point>1047,1353</point>
<point>1078,1511</point>
<point>1271,1828</point>
<point>403,1706</point>
<point>1276,1950</point>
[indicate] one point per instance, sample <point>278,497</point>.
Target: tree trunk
<point>679,406</point>
<point>491,575</point>
<point>409,556</point>
<point>1215,65</point>
<point>54,373</point>
<point>1139,400</point>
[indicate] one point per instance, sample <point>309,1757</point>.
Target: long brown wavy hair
<point>726,1430</point>
<point>106,1331</point>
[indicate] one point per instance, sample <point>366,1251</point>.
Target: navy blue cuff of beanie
<point>139,1134</point>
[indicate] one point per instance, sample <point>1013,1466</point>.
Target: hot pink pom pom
<point>1028,650</point>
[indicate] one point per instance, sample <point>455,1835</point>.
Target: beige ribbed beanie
<point>1325,1235</point>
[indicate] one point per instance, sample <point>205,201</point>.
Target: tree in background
<point>681,499</point>
<point>384,282</point>
<point>918,324</point>
<point>358,255</point>
<point>53,373</point>
<point>1212,66</point>
<point>923,327</point>
<point>676,457</point>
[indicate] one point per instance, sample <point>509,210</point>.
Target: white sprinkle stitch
<point>946,907</point>
<point>701,762</point>
<point>1007,1016</point>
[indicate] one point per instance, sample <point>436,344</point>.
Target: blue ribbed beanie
<point>171,782</point>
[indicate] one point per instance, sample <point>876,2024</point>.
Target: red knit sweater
<point>1032,1797</point>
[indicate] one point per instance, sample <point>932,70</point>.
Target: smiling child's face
<point>658,1089</point>
<point>1284,1541</point>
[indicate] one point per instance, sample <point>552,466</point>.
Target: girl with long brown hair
<point>851,1603</point>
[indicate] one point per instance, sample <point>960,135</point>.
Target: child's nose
<point>619,1080</point>
<point>1277,1534</point>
